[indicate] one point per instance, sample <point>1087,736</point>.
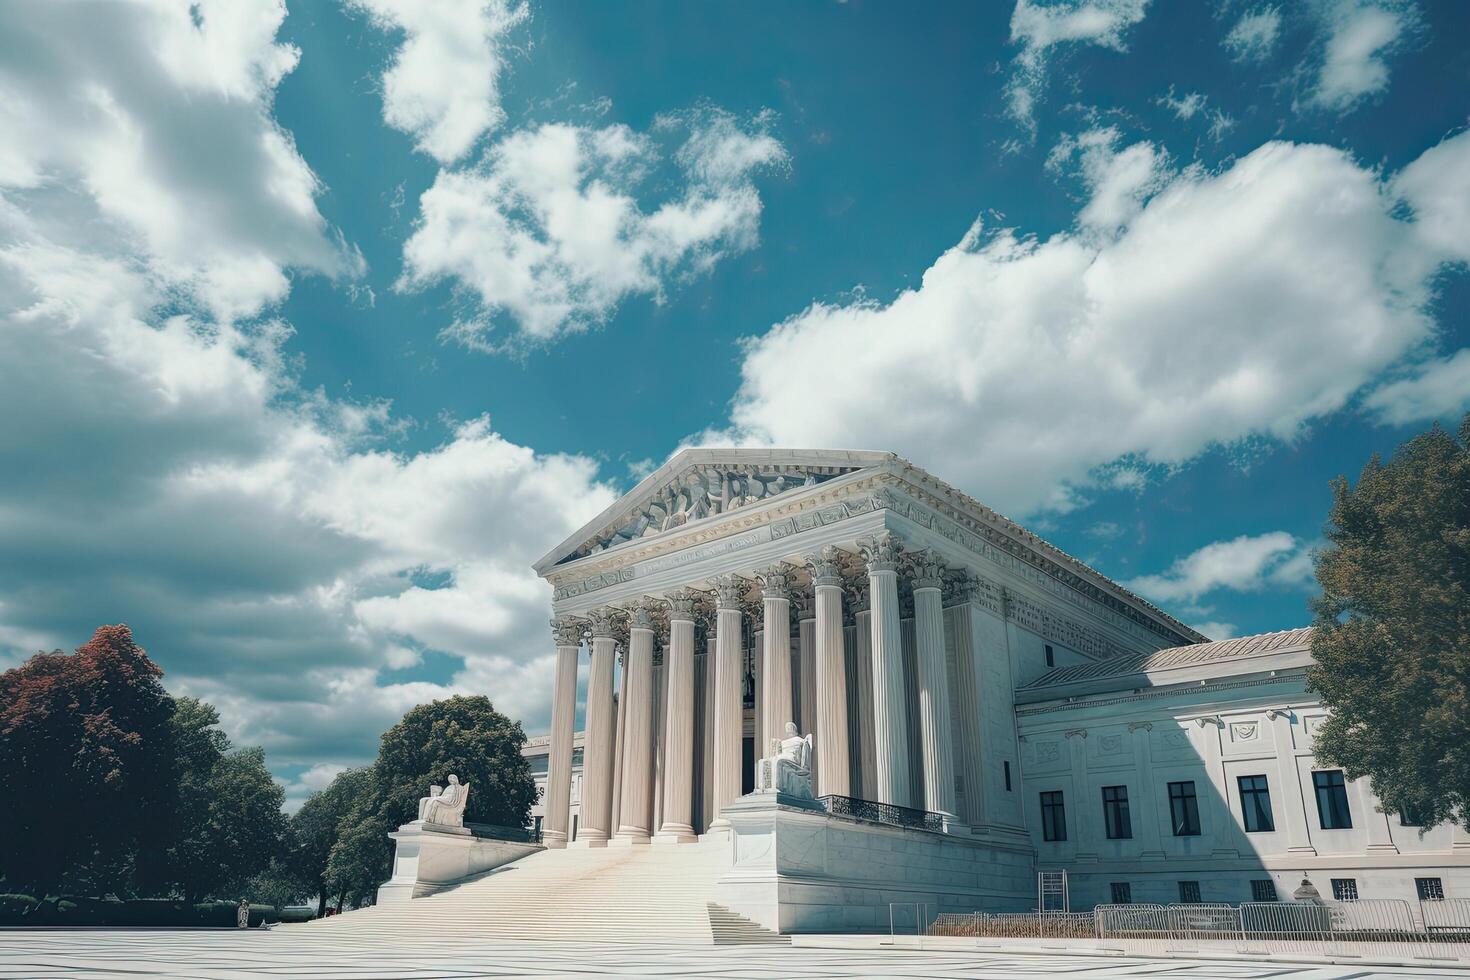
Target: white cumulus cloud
<point>443,87</point>
<point>1359,38</point>
<point>1224,305</point>
<point>548,230</point>
<point>1249,563</point>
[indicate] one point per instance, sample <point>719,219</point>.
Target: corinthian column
<point>563,719</point>
<point>776,656</point>
<point>597,752</point>
<point>890,733</point>
<point>830,681</point>
<point>971,748</point>
<point>636,797</point>
<point>934,725</point>
<point>678,824</point>
<point>729,682</point>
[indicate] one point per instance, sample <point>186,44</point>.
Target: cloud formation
<point>1359,36</point>
<point>548,231</point>
<point>271,546</point>
<point>443,87</point>
<point>1254,36</point>
<point>1188,309</point>
<point>1039,28</point>
<point>1249,563</point>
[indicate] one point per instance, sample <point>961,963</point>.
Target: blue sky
<point>321,323</point>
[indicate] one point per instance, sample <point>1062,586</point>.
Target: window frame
<point>1117,819</point>
<point>1264,886</point>
<point>1121,892</point>
<point>1053,816</point>
<point>1006,768</point>
<point>1187,888</point>
<point>1050,654</point>
<point>1264,819</point>
<point>1424,886</point>
<point>1189,802</point>
<point>1338,812</point>
<point>1341,887</point>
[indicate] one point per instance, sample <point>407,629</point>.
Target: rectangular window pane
<point>1332,801</point>
<point>1053,817</point>
<point>1008,776</point>
<point>1115,813</point>
<point>1122,893</point>
<point>1263,890</point>
<point>1429,889</point>
<point>1410,818</point>
<point>1345,889</point>
<point>1255,804</point>
<point>1188,892</point>
<point>1184,809</point>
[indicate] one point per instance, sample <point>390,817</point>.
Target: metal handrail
<point>871,811</point>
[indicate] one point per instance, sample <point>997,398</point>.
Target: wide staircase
<point>649,894</point>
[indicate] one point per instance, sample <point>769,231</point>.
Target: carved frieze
<point>567,631</point>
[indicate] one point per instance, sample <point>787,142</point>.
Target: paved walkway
<point>299,951</point>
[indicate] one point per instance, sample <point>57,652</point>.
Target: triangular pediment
<point>696,484</point>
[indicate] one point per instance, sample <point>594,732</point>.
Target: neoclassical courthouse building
<point>981,705</point>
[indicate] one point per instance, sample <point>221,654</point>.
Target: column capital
<point>928,571</point>
<point>681,604</point>
<point>862,598</point>
<point>803,605</point>
<point>567,631</point>
<point>775,581</point>
<point>826,567</point>
<point>730,591</point>
<point>882,553</point>
<point>605,622</point>
<point>640,616</point>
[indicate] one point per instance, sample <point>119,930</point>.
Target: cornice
<point>1149,694</point>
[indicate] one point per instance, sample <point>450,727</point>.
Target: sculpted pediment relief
<point>699,490</point>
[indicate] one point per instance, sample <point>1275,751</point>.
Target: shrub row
<point>27,910</point>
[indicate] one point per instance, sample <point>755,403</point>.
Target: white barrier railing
<point>908,918</point>
<point>1369,928</point>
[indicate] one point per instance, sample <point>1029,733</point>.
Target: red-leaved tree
<point>85,750</point>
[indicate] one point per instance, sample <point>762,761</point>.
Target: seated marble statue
<point>445,807</point>
<point>788,769</point>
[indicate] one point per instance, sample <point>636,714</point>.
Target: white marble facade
<point>944,660</point>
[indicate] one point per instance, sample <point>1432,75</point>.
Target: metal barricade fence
<point>1376,925</point>
<point>1446,927</point>
<point>1195,923</point>
<point>907,918</point>
<point>1133,928</point>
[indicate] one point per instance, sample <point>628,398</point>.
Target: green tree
<point>461,735</point>
<point>1392,644</point>
<point>317,826</point>
<point>86,751</point>
<point>227,823</point>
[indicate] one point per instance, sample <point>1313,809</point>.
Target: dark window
<point>1007,766</point>
<point>1429,889</point>
<point>1410,817</point>
<point>1122,893</point>
<point>1188,892</point>
<point>1263,890</point>
<point>537,827</point>
<point>1255,804</point>
<point>1053,817</point>
<point>1184,808</point>
<point>1345,889</point>
<point>1051,659</point>
<point>1332,801</point>
<point>1115,813</point>
<point>574,826</point>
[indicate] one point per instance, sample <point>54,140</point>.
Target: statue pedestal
<point>429,857</point>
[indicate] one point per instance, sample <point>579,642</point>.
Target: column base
<point>1381,849</point>
<point>1153,856</point>
<point>553,840</point>
<point>583,843</point>
<point>629,840</point>
<point>675,835</point>
<point>1307,851</point>
<point>954,825</point>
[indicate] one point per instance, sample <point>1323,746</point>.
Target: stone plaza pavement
<point>302,952</point>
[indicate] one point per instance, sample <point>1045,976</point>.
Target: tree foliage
<point>86,751</point>
<point>318,825</point>
<point>1392,644</point>
<point>461,735</point>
